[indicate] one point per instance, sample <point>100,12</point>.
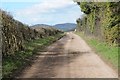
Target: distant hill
<point>41,25</point>
<point>66,26</point>
<point>63,27</point>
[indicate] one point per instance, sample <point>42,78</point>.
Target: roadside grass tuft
<point>108,53</point>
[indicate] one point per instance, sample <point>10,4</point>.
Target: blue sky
<point>43,11</point>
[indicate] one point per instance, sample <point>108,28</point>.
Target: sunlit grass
<point>109,53</point>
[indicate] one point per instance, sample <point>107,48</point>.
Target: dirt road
<point>70,57</point>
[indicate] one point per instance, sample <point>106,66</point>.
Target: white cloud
<point>48,11</point>
<point>45,6</point>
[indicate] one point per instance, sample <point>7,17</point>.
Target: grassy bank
<point>108,53</point>
<point>12,63</point>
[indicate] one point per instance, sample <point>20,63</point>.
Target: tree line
<point>101,20</point>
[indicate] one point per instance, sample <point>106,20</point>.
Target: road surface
<point>69,57</point>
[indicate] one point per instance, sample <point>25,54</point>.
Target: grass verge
<point>12,63</point>
<point>108,53</point>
